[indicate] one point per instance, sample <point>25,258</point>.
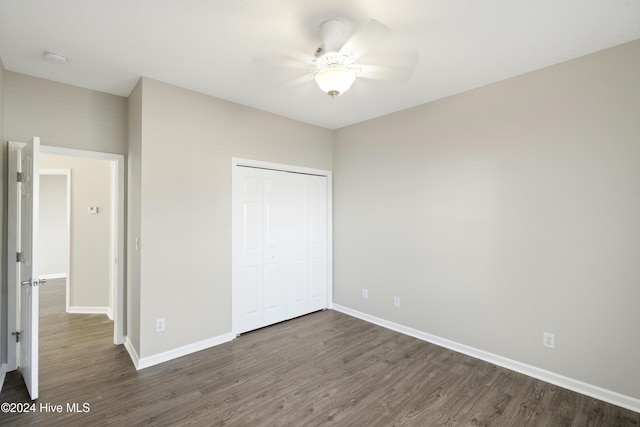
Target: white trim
<point>133,354</point>
<point>113,236</point>
<point>53,276</point>
<point>88,310</point>
<point>109,313</point>
<point>329,239</point>
<point>596,392</point>
<point>156,359</point>
<point>117,229</point>
<point>237,161</point>
<point>62,151</point>
<point>12,248</point>
<point>3,375</point>
<point>57,172</point>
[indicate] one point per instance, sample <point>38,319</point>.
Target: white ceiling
<point>210,46</point>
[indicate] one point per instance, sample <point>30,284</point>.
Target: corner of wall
<point>134,145</point>
<point>3,230</point>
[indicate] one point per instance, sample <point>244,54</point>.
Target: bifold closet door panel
<point>309,289</point>
<point>248,292</point>
<point>276,246</point>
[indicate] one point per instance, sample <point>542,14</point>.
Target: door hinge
<point>19,177</point>
<point>18,335</point>
<point>19,257</point>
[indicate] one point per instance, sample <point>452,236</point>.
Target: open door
<point>24,231</point>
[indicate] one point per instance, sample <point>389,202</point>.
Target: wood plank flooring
<point>326,368</point>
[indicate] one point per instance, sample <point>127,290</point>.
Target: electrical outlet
<point>159,325</point>
<point>396,301</point>
<point>548,340</point>
<point>365,294</point>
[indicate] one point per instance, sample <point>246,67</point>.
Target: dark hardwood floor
<point>324,368</point>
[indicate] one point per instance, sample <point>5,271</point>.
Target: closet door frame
<point>236,228</point>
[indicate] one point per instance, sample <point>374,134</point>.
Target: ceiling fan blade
<point>366,36</point>
<point>279,60</point>
<point>303,79</point>
<point>279,68</point>
<point>392,66</point>
<point>295,87</point>
<point>383,72</point>
<point>288,78</point>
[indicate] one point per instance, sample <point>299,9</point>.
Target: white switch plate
<point>93,209</point>
<point>396,301</point>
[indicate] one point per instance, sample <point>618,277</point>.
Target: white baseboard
<point>53,276</point>
<point>89,310</point>
<point>596,392</point>
<point>133,354</point>
<point>110,313</point>
<point>3,375</point>
<point>145,362</point>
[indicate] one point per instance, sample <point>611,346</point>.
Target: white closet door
<point>280,238</point>
<point>275,245</point>
<point>308,289</point>
<point>248,295</point>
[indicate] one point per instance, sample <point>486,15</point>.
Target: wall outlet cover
<point>160,324</point>
<point>548,340</point>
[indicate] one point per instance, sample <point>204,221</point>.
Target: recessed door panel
<point>273,281</point>
<point>298,280</point>
<point>272,219</point>
<point>252,290</point>
<point>252,227</point>
<point>317,278</point>
<point>299,228</point>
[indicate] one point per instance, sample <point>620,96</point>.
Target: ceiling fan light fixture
<point>335,81</point>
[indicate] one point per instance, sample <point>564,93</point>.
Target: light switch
<point>93,209</point>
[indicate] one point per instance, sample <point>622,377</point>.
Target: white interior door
<point>28,266</point>
<point>280,246</point>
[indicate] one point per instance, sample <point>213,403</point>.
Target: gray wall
<point>134,138</point>
<point>63,115</point>
<point>53,230</point>
<point>502,213</point>
<point>188,140</point>
<point>90,233</point>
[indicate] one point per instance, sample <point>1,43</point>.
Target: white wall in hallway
<point>53,230</point>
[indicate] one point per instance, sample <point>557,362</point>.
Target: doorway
<point>23,172</point>
<point>91,211</point>
<point>87,216</point>
<point>115,251</point>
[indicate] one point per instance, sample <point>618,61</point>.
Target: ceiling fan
<point>342,57</point>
